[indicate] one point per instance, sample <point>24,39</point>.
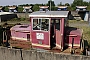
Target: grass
<point>17,20</point>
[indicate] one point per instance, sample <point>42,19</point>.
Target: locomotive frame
<point>48,30</point>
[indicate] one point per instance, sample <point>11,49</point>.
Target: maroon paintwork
<point>17,31</point>
<point>46,41</point>
<point>75,34</point>
<point>20,36</point>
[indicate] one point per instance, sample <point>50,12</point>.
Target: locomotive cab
<point>47,29</point>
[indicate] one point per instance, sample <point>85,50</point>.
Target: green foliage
<point>69,8</point>
<point>75,3</point>
<point>79,3</point>
<point>35,7</point>
<point>54,8</point>
<point>20,9</point>
<point>85,3</point>
<point>88,8</point>
<point>22,19</point>
<point>89,3</point>
<point>14,19</point>
<point>60,4</point>
<point>67,4</point>
<point>6,9</point>
<point>18,19</point>
<point>52,3</point>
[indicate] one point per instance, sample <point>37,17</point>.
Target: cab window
<point>41,24</point>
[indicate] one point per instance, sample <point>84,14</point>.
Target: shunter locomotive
<point>47,30</point>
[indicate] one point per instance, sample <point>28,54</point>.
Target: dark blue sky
<point>18,2</point>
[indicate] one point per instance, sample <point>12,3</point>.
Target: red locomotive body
<point>48,30</point>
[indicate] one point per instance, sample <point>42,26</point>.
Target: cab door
<point>56,32</point>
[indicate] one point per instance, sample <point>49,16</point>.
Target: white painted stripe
<point>19,38</point>
<point>40,45</point>
<point>73,44</point>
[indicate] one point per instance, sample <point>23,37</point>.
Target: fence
<point>18,54</point>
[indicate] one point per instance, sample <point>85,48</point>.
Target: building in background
<point>81,13</point>
<point>43,8</point>
<point>12,8</point>
<point>27,9</point>
<point>4,16</point>
<point>62,8</point>
<point>81,8</point>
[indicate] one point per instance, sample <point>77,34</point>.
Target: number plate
<point>40,36</point>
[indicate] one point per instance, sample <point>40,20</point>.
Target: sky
<point>19,2</point>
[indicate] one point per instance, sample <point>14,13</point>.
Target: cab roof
<point>49,14</point>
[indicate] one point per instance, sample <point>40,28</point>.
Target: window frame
<point>40,24</point>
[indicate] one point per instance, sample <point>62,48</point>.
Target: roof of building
<point>81,6</point>
<point>43,6</point>
<point>11,7</point>
<point>27,7</point>
<point>49,14</point>
<point>1,7</point>
<point>62,6</point>
<point>5,13</point>
<point>21,28</point>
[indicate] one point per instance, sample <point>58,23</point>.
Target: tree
<point>20,9</point>
<point>85,3</point>
<point>6,9</point>
<point>67,4</point>
<point>60,4</point>
<point>35,7</point>
<point>51,3</point>
<point>77,3</point>
<point>88,8</point>
<point>89,3</point>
